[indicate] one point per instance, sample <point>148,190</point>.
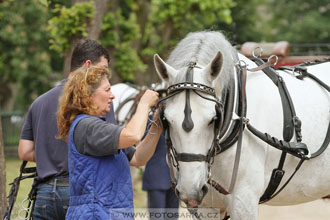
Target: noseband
<point>187,123</point>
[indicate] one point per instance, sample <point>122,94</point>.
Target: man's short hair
<point>87,50</point>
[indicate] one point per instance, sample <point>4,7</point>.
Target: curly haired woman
<point>100,153</point>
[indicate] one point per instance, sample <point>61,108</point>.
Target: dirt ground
<point>316,210</point>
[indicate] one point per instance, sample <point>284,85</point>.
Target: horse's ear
<point>214,68</point>
<point>165,71</point>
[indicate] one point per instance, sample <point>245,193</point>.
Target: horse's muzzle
<point>194,200</point>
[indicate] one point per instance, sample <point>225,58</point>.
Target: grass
<point>12,171</point>
<point>140,196</point>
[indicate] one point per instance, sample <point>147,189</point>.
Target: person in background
<point>157,182</point>
<point>100,177</point>
<point>38,143</point>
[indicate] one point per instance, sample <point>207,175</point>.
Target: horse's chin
<point>192,203</point>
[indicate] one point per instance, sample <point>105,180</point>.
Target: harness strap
<point>275,180</point>
<point>233,136</point>
<point>237,136</point>
<point>185,157</point>
<point>302,70</point>
<point>285,184</point>
<point>287,105</point>
<point>297,149</point>
<point>15,187</point>
<point>278,173</point>
<point>307,74</point>
<point>290,123</point>
<point>135,99</point>
<point>324,145</point>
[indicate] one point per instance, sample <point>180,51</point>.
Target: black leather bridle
<point>187,125</point>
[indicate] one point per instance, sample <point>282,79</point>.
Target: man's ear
<point>87,64</point>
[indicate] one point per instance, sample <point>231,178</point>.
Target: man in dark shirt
<point>38,142</point>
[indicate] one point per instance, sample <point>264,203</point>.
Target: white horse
<point>215,67</point>
<point>125,95</point>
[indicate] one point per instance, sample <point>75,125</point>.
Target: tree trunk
<point>142,15</point>
<point>94,29</point>
<point>115,77</point>
<point>3,196</point>
<point>67,57</point>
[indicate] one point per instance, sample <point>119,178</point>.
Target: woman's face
<point>102,97</point>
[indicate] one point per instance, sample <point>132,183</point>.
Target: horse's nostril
<point>204,190</point>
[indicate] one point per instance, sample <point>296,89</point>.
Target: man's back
<point>41,127</point>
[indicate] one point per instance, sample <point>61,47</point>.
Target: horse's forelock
<point>201,47</point>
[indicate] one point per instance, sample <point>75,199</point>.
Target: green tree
<point>132,30</point>
<point>246,22</point>
<point>135,30</point>
<point>299,21</point>
<point>3,197</point>
<point>25,63</point>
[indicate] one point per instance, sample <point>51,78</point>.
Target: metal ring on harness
<point>241,64</point>
<point>271,57</point>
<point>255,49</point>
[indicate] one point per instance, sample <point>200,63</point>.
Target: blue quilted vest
<point>100,187</point>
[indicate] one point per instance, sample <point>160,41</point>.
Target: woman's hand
<point>149,98</point>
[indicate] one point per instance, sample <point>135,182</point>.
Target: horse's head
<point>192,113</point>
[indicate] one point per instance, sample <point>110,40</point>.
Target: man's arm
<point>26,150</point>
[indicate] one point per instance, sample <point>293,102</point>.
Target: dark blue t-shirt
<point>41,127</point>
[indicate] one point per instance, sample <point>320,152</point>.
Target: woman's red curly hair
<point>76,97</point>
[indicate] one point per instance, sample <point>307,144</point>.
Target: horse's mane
<point>201,47</point>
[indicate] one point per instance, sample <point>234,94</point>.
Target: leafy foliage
<point>24,56</point>
<point>69,23</point>
<point>299,21</point>
<point>134,30</point>
<point>119,33</point>
<point>245,25</point>
<point>187,16</point>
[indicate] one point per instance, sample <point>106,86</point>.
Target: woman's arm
<point>146,148</point>
<point>135,129</point>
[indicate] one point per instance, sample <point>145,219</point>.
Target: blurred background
<point>37,38</point>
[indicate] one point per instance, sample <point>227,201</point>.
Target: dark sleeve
<point>130,152</point>
<point>27,130</point>
<point>95,137</point>
<point>110,117</point>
